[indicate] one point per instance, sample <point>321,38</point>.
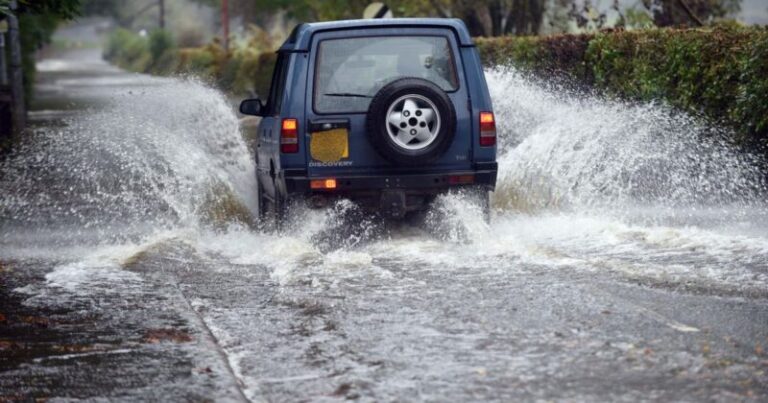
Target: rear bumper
<point>484,174</point>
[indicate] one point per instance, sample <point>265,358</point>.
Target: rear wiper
<point>347,94</point>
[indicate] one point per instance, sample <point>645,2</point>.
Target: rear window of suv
<point>351,71</point>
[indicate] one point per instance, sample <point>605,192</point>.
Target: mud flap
<point>393,203</point>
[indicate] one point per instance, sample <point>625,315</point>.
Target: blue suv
<point>387,113</point>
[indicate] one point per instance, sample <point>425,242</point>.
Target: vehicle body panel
<point>301,37</point>
<point>364,157</point>
<point>365,169</point>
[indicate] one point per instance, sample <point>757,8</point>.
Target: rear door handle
<point>322,125</point>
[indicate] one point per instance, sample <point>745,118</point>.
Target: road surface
<point>130,268</point>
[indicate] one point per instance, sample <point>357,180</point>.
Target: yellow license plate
<point>329,145</point>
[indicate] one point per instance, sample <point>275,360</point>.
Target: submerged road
<point>127,271</point>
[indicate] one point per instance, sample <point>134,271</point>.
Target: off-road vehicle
<point>388,113</point>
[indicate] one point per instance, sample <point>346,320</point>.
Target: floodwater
<point>627,259</point>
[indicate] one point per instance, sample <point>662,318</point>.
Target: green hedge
<point>562,55</point>
<point>156,53</point>
<point>718,73</point>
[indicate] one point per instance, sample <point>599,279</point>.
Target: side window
<point>277,90</point>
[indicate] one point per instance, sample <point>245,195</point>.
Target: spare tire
<point>411,121</point>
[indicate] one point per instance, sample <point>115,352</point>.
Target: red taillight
<point>323,184</point>
<point>487,129</point>
<point>289,136</point>
<point>461,179</point>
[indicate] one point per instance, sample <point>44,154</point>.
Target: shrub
<point>254,74</point>
<point>128,50</point>
<point>156,53</point>
<point>162,49</point>
<point>255,62</point>
<point>195,61</point>
<point>211,63</point>
<point>719,73</point>
<point>189,37</point>
<point>228,76</point>
<point>245,70</point>
<point>561,56</point>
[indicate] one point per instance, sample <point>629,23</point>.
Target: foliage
<point>153,54</point>
<point>637,19</point>
<point>246,69</point>
<point>255,60</point>
<point>588,16</point>
<point>128,50</point>
<point>38,20</point>
<point>668,13</point>
<point>109,8</point>
<point>34,31</point>
<point>493,17</point>
<point>557,56</point>
<point>162,49</point>
<point>719,73</point>
<point>63,9</point>
<point>483,17</point>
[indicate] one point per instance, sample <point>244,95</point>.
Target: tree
<point>31,24</point>
<point>262,12</point>
<point>689,12</point>
<point>495,17</point>
<point>38,20</point>
<point>483,17</point>
<point>62,9</point>
<point>590,17</point>
<point>108,8</point>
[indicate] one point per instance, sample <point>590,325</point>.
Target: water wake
<point>559,150</point>
<point>163,154</point>
<point>635,190</point>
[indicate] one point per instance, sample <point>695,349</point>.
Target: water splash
<point>559,150</point>
<point>583,182</point>
<point>163,153</point>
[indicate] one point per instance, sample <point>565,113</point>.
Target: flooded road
<point>627,260</point>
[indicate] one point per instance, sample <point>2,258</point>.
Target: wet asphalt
<point>183,330</point>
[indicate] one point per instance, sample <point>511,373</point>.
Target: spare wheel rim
<point>413,122</point>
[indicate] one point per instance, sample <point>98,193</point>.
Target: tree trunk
<point>475,24</point>
<point>497,15</point>
<point>690,13</point>
<point>441,12</point>
<point>3,64</point>
<point>161,6</point>
<point>225,24</point>
<point>525,17</point>
<point>16,76</point>
<point>536,8</point>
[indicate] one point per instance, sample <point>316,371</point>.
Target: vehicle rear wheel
<point>411,121</point>
<point>261,201</point>
<point>279,208</point>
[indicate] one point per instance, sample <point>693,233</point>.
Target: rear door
<point>349,68</point>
